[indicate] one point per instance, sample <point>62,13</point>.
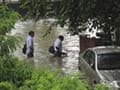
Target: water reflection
<point>56,62</point>
<point>68,64</point>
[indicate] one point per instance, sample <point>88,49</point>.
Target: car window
<point>89,56</point>
<point>109,61</point>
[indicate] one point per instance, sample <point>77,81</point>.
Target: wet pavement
<point>42,58</point>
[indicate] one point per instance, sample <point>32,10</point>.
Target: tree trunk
<point>109,37</point>
<point>117,37</point>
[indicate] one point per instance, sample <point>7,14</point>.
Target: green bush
<point>6,86</point>
<point>8,19</point>
<point>25,78</point>
<point>14,71</point>
<point>22,72</point>
<point>45,79</point>
<point>29,85</point>
<point>7,65</point>
<point>100,87</point>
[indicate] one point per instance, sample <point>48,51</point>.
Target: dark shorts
<point>57,54</point>
<point>30,54</point>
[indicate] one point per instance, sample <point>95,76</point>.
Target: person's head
<point>61,37</point>
<point>31,33</point>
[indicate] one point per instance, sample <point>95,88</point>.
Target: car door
<point>87,63</point>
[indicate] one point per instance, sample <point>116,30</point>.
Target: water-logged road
<point>42,57</point>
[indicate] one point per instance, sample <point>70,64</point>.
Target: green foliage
<point>14,71</point>
<point>75,12</point>
<point>25,78</point>
<point>6,86</point>
<point>6,67</point>
<point>23,71</point>
<point>100,87</point>
<point>8,19</point>
<point>45,79</point>
<point>29,85</point>
<point>8,44</point>
<point>71,11</point>
<point>35,8</point>
<point>81,10</point>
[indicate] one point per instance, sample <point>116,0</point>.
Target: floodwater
<point>42,58</point>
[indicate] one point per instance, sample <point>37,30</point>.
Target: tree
<point>76,12</point>
<point>35,8</point>
<point>105,11</point>
<point>8,19</point>
<point>12,70</point>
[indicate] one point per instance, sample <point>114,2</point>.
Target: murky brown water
<point>68,64</point>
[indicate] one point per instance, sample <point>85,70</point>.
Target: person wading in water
<point>30,45</point>
<point>58,46</point>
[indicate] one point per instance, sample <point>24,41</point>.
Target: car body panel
<point>114,75</point>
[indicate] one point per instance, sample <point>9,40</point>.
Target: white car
<point>102,64</point>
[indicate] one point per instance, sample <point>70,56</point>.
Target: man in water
<point>58,46</point>
<point>30,45</point>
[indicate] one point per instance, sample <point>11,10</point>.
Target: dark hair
<point>31,32</point>
<point>61,37</point>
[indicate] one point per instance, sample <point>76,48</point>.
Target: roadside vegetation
<point>18,75</point>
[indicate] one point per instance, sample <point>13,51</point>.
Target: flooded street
<point>42,58</point>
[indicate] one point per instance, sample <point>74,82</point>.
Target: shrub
<point>6,86</point>
<point>100,87</point>
<point>14,71</point>
<point>22,72</point>
<point>29,85</point>
<point>45,79</point>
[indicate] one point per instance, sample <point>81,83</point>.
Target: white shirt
<point>58,44</point>
<point>29,43</point>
